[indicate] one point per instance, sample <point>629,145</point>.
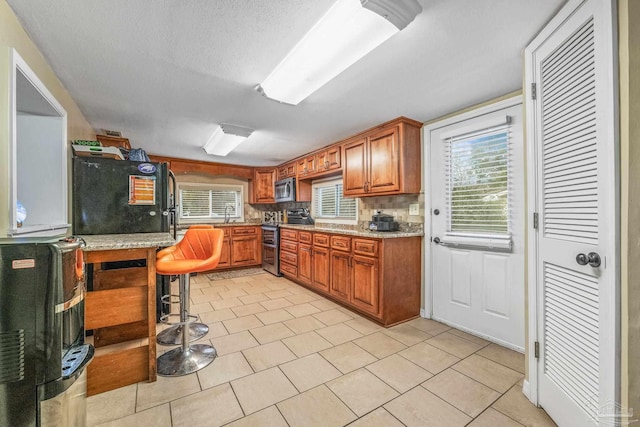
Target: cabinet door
<point>307,166</point>
<point>355,168</point>
<point>244,250</point>
<point>340,284</point>
<point>384,161</point>
<point>225,255</point>
<point>305,272</point>
<point>333,158</point>
<point>320,261</point>
<point>263,186</point>
<point>365,288</point>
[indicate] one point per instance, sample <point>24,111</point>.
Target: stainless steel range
<point>271,248</point>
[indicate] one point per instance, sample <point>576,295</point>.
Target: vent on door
<point>11,356</point>
<point>570,186</point>
<point>571,346</point>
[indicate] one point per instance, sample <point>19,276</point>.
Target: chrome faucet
<point>227,217</point>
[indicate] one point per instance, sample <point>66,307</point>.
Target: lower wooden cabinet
<point>241,247</point>
<point>305,272</point>
<point>380,278</point>
<point>340,285</point>
<point>320,269</point>
<point>364,273</point>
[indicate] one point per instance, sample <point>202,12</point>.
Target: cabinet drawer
<point>321,240</point>
<point>305,237</point>
<point>288,269</point>
<point>341,243</point>
<point>244,230</point>
<point>289,257</point>
<point>226,230</point>
<point>365,247</point>
<point>288,234</point>
<point>285,245</point>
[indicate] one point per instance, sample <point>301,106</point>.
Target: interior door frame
<point>609,41</point>
<point>511,101</point>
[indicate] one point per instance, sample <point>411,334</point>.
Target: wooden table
<point>121,308</point>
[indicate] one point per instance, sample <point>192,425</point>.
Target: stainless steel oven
<point>271,248</point>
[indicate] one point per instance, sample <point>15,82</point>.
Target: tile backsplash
<point>393,205</point>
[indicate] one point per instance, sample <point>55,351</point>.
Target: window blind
<point>210,202</point>
<point>478,182</point>
<point>329,202</point>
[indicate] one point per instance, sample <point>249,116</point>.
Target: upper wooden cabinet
<point>262,187</point>
<point>383,161</point>
<point>328,160</point>
<point>306,166</point>
<point>287,171</point>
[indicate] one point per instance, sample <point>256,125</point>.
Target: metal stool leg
<point>187,358</point>
<point>173,335</point>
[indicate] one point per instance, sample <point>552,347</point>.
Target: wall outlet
<point>414,209</point>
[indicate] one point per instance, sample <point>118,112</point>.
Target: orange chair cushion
<point>198,251</point>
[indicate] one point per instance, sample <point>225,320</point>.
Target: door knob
<point>436,240</point>
<point>436,211</point>
<point>593,259</point>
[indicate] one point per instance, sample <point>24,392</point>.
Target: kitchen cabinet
<point>245,246</point>
<point>262,186</point>
<point>241,247</point>
<point>305,267</point>
<point>364,280</point>
<point>384,160</point>
<point>320,261</point>
<point>329,160</point>
<point>287,171</point>
<point>306,166</point>
<point>225,254</point>
<point>289,253</point>
<point>379,278</point>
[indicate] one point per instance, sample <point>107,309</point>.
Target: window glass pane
<point>478,182</point>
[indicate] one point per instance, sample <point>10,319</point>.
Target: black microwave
<point>285,190</point>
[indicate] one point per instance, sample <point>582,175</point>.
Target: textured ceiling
<point>165,73</point>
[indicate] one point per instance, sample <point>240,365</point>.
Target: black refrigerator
<point>122,197</point>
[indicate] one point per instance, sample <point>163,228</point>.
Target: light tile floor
<point>289,357</point>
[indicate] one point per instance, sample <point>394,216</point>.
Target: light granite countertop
<point>102,242</point>
<point>352,232</point>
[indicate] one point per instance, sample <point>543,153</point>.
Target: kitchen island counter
<point>120,308</point>
<point>105,242</point>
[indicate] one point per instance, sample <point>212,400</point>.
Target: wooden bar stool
<point>198,251</point>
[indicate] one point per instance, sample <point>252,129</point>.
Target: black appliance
<point>285,190</point>
<point>271,248</point>
<point>121,197</point>
<point>383,222</point>
<point>42,350</point>
<point>299,216</point>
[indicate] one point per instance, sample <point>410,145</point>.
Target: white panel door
<point>575,266</point>
<point>475,287</point>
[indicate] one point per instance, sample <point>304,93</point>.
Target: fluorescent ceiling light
<point>346,33</point>
<point>226,138</point>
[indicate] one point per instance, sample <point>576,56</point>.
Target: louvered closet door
<point>575,330</point>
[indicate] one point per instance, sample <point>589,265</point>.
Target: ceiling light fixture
<point>346,33</point>
<point>226,138</point>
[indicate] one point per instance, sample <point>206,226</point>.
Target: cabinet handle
<point>326,164</point>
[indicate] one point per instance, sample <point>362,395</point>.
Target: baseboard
<point>422,314</point>
<point>525,389</point>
